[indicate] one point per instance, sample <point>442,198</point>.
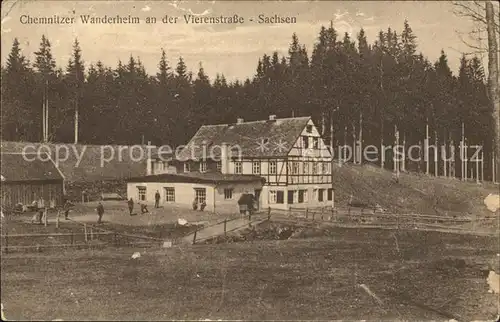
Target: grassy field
<point>416,275</point>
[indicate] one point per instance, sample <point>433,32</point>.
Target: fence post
<point>322,209</point>
<point>194,236</point>
<point>307,212</point>
<point>57,220</point>
<point>6,242</point>
<point>362,210</point>
<point>269,213</point>
<point>289,211</point>
<point>91,233</point>
<point>225,230</point>
<point>85,231</point>
<point>72,238</point>
<point>313,215</point>
<point>45,213</point>
<point>349,210</point>
<point>115,239</point>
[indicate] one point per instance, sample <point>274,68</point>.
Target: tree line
<point>347,85</point>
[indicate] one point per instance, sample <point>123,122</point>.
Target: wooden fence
<point>353,217</point>
<point>90,237</point>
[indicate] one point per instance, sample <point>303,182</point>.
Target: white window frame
<point>315,143</point>
<point>203,166</point>
<point>219,165</point>
<point>272,196</point>
<point>228,194</point>
<point>203,195</point>
<point>169,194</point>
<point>295,167</point>
<point>314,169</point>
<point>141,191</point>
<point>321,192</point>
<point>238,167</point>
<point>256,167</point>
<point>273,167</point>
<point>187,167</point>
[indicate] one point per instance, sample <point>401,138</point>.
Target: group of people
<point>144,207</point>
<point>196,203</point>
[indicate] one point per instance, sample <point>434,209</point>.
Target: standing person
<point>157,199</point>
<point>67,208</point>
<point>41,208</point>
<point>100,212</point>
<point>130,203</point>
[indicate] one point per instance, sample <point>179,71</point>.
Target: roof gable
<point>268,138</point>
<point>18,167</point>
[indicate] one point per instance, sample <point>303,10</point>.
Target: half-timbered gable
<point>288,153</point>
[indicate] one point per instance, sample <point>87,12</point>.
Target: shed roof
<point>198,177</point>
<point>278,136</point>
<point>19,167</point>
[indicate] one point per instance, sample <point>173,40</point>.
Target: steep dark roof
<point>17,167</point>
<point>247,136</point>
<point>197,177</point>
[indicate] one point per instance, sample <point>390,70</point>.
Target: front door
<point>257,199</point>
<point>290,197</point>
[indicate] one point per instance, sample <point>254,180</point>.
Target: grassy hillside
<point>93,165</point>
<point>413,193</point>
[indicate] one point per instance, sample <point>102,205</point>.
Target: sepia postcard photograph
<point>250,160</point>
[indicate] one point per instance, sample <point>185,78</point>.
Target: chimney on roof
<point>239,120</point>
<point>272,117</point>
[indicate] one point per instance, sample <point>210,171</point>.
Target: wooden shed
<point>27,177</point>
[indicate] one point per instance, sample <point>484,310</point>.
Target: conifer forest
<point>353,89</point>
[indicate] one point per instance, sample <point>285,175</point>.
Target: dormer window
<point>219,166</point>
<point>203,166</point>
<point>187,168</point>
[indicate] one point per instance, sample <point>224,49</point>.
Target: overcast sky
<point>230,49</point>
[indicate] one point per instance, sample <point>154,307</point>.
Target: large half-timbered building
<point>288,153</point>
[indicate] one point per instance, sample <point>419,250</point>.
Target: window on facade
<point>306,167</point>
<point>170,194</point>
<point>315,194</point>
<point>302,195</point>
<point>272,167</point>
<point>305,142</point>
<point>314,168</point>
<point>200,194</point>
<point>141,193</point>
<point>321,193</point>
<point>309,128</point>
<point>256,167</point>
<point>295,167</point>
<point>280,197</point>
<point>325,168</point>
<point>272,196</point>
<point>330,194</point>
<point>187,168</point>
<point>203,166</point>
<point>238,167</point>
<point>228,194</point>
<point>315,143</point>
<point>219,166</point>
